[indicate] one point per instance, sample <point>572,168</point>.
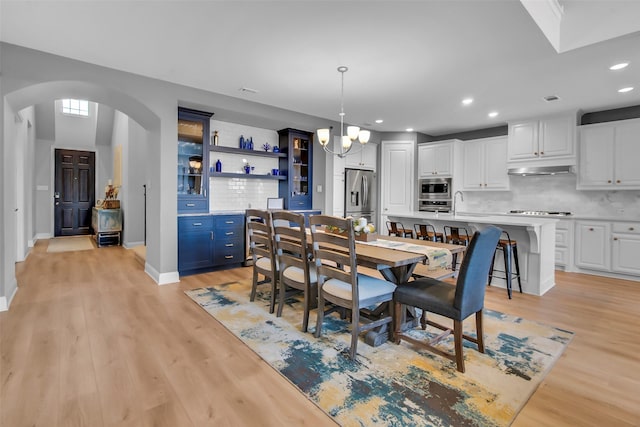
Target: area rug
<point>393,385</point>
<point>71,243</point>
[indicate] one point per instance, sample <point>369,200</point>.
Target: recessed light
<point>467,101</point>
<point>493,114</point>
<point>409,129</point>
<point>625,89</point>
<point>619,66</point>
<point>379,121</point>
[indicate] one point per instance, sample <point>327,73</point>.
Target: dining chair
<point>260,231</point>
<point>297,271</point>
<point>339,282</point>
<point>428,232</point>
<point>396,228</point>
<point>456,302</point>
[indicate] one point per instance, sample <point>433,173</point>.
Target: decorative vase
<point>215,137</point>
<point>243,144</point>
<point>247,169</point>
<point>218,166</point>
<point>276,149</point>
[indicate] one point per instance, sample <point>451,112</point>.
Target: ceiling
<point>410,62</point>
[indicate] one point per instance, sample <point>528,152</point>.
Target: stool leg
<point>491,268</point>
<point>507,268</point>
<point>515,259</point>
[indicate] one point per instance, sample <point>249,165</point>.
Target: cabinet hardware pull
<point>542,153</point>
<point>229,233</point>
<point>615,238</point>
<point>485,184</point>
<point>631,229</point>
<point>590,228</point>
<point>190,205</point>
<point>229,245</point>
<point>608,181</point>
<point>211,235</point>
<point>229,222</point>
<point>228,257</point>
<point>197,224</point>
<point>535,153</point>
<point>480,184</point>
<point>617,181</point>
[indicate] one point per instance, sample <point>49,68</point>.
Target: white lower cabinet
<point>564,237</point>
<point>625,248</point>
<point>611,247</point>
<point>593,248</point>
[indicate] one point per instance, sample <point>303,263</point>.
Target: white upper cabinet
<point>485,164</point>
<point>435,160</point>
<point>366,157</point>
<point>548,141</point>
<point>609,154</point>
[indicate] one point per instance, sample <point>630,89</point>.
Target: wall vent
<point>551,98</point>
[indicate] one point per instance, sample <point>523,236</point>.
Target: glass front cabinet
<point>297,165</point>
<point>193,160</point>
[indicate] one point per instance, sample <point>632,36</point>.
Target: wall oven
<point>434,194</point>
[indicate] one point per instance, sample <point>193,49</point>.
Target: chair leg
<point>320,316</point>
<point>307,308</point>
<point>355,329</point>
<point>274,291</point>
<point>507,268</point>
<point>479,331</point>
<point>254,286</point>
<point>491,269</point>
<point>515,259</point>
<point>397,321</point>
<point>457,336</point>
<point>281,294</point>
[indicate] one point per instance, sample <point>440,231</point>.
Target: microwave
<point>435,188</point>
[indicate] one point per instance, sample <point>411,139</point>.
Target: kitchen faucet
<point>455,195</point>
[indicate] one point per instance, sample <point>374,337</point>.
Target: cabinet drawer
<point>562,256</point>
<point>230,222</point>
<point>193,205</point>
<point>229,252</point>
<point>562,238</point>
<point>195,223</point>
<point>626,227</point>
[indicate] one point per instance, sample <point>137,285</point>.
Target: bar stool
<point>457,235</point>
<point>428,232</point>
<point>397,229</point>
<point>509,249</point>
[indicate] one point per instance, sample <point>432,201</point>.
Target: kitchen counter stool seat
<point>396,228</point>
<point>509,250</point>
<point>457,235</point>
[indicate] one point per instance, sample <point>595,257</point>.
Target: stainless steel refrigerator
<point>360,194</point>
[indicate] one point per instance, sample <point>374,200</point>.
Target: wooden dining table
<point>397,266</point>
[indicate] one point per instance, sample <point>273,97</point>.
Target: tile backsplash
<point>557,193</point>
<point>241,193</point>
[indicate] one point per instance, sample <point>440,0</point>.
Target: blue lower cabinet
<point>208,242</point>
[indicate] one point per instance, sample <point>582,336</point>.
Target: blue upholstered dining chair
<point>340,284</point>
<point>297,271</point>
<point>260,232</point>
<point>456,302</point>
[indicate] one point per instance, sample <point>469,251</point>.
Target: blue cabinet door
<point>298,167</point>
<point>229,239</point>
<point>195,242</point>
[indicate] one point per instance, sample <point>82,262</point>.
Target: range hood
<point>541,170</point>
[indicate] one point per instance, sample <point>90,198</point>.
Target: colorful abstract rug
<point>393,385</point>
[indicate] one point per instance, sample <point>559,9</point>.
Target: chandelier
<point>353,132</point>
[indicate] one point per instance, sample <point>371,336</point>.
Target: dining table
<point>397,266</point>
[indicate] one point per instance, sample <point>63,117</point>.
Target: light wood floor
<point>90,340</point>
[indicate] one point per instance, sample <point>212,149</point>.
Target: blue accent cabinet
<point>297,166</point>
<point>193,160</point>
<point>210,242</point>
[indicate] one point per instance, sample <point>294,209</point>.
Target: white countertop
<point>481,218</point>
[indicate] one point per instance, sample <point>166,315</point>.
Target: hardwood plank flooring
<point>91,340</point>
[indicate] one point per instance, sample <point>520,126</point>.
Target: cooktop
<point>542,213</point>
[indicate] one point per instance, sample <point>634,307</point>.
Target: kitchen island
<point>535,237</point>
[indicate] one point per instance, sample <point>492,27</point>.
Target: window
<point>75,107</point>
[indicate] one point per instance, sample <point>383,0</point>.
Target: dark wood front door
<point>74,193</point>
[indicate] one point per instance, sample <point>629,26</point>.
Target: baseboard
<point>129,245</point>
<point>6,303</point>
<point>42,236</point>
<point>161,278</point>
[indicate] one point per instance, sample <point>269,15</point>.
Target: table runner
<point>438,257</point>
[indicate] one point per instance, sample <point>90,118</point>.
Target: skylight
<point>75,107</point>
